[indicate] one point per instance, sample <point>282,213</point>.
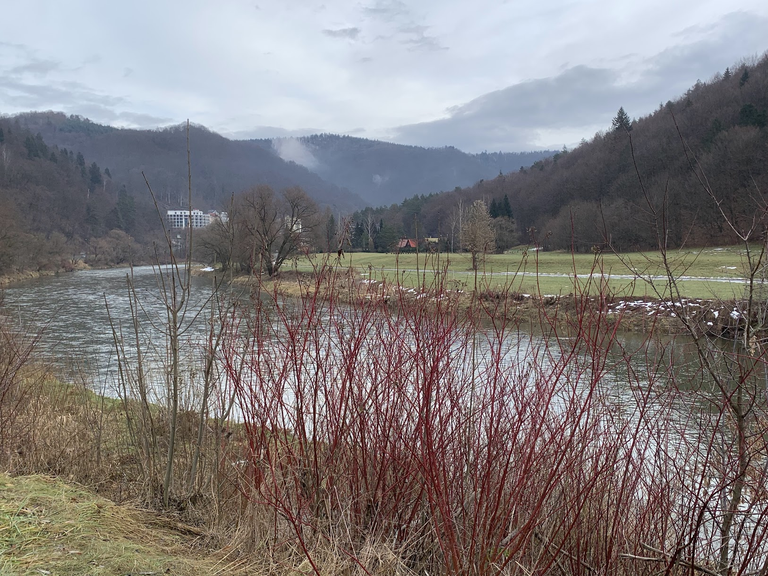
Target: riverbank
<point>285,494</point>
<point>22,276</point>
<point>9,279</point>
<point>644,314</point>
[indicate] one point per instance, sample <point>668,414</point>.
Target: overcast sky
<point>479,75</point>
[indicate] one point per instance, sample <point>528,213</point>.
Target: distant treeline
<point>601,193</point>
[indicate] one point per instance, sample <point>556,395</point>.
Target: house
<point>407,243</point>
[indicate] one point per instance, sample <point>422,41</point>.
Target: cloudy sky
<point>479,75</point>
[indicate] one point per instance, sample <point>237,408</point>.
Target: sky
<point>479,75</point>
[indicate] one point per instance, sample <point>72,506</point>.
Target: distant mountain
<point>220,167</point>
<point>385,173</point>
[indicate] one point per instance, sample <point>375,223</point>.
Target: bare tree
<point>479,235</point>
<point>370,227</point>
<point>276,228</point>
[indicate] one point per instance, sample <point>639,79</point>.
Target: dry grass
<point>50,527</point>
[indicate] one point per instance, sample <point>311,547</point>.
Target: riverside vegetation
<point>346,432</point>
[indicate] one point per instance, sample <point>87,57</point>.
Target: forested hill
<point>383,172</point>
<point>220,167</point>
<point>56,205</point>
<point>592,194</point>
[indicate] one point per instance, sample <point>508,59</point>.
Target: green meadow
<point>703,273</point>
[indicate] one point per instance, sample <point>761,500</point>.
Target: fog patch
<point>294,150</point>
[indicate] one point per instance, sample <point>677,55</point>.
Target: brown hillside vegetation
<point>591,195</point>
<point>58,207</point>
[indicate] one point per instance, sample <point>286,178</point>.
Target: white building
<point>185,218</point>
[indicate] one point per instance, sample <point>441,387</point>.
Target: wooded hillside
<point>57,205</point>
<point>592,195</point>
<point>220,167</point>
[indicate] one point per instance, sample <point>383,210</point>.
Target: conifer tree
<point>622,121</point>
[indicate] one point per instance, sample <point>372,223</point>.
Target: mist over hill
<point>220,167</point>
<point>383,172</point>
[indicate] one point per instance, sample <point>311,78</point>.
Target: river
<point>70,311</point>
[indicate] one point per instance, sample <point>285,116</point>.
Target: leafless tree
<point>479,235</point>
<point>276,227</point>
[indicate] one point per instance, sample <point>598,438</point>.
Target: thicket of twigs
<point>416,436</point>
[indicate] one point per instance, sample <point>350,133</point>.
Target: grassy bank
<point>710,273</point>
<point>48,526</point>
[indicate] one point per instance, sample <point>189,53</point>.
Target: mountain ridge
<point>385,172</point>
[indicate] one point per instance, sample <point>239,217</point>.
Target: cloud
<point>51,96</point>
<point>510,118</point>
<point>386,10</point>
<point>294,150</point>
<point>349,33</point>
<point>35,67</point>
<point>582,99</point>
<point>416,38</point>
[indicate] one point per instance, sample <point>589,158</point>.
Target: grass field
<point>705,273</point>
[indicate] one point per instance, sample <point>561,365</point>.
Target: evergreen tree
<point>80,161</point>
<point>506,208</point>
<point>751,116</point>
<point>126,210</point>
<point>744,78</point>
<point>386,238</point>
<point>31,145</point>
<point>95,178</point>
<point>714,129</point>
<point>330,233</point>
<point>91,222</point>
<point>2,136</point>
<point>622,121</point>
<point>727,74</point>
<point>493,210</point>
<point>42,148</point>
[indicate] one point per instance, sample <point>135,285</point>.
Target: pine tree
<point>744,78</point>
<point>95,179</point>
<point>494,209</point>
<point>506,208</point>
<point>622,121</point>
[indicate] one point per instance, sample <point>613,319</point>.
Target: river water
<point>72,312</point>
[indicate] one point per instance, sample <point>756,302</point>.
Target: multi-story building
<point>186,218</point>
